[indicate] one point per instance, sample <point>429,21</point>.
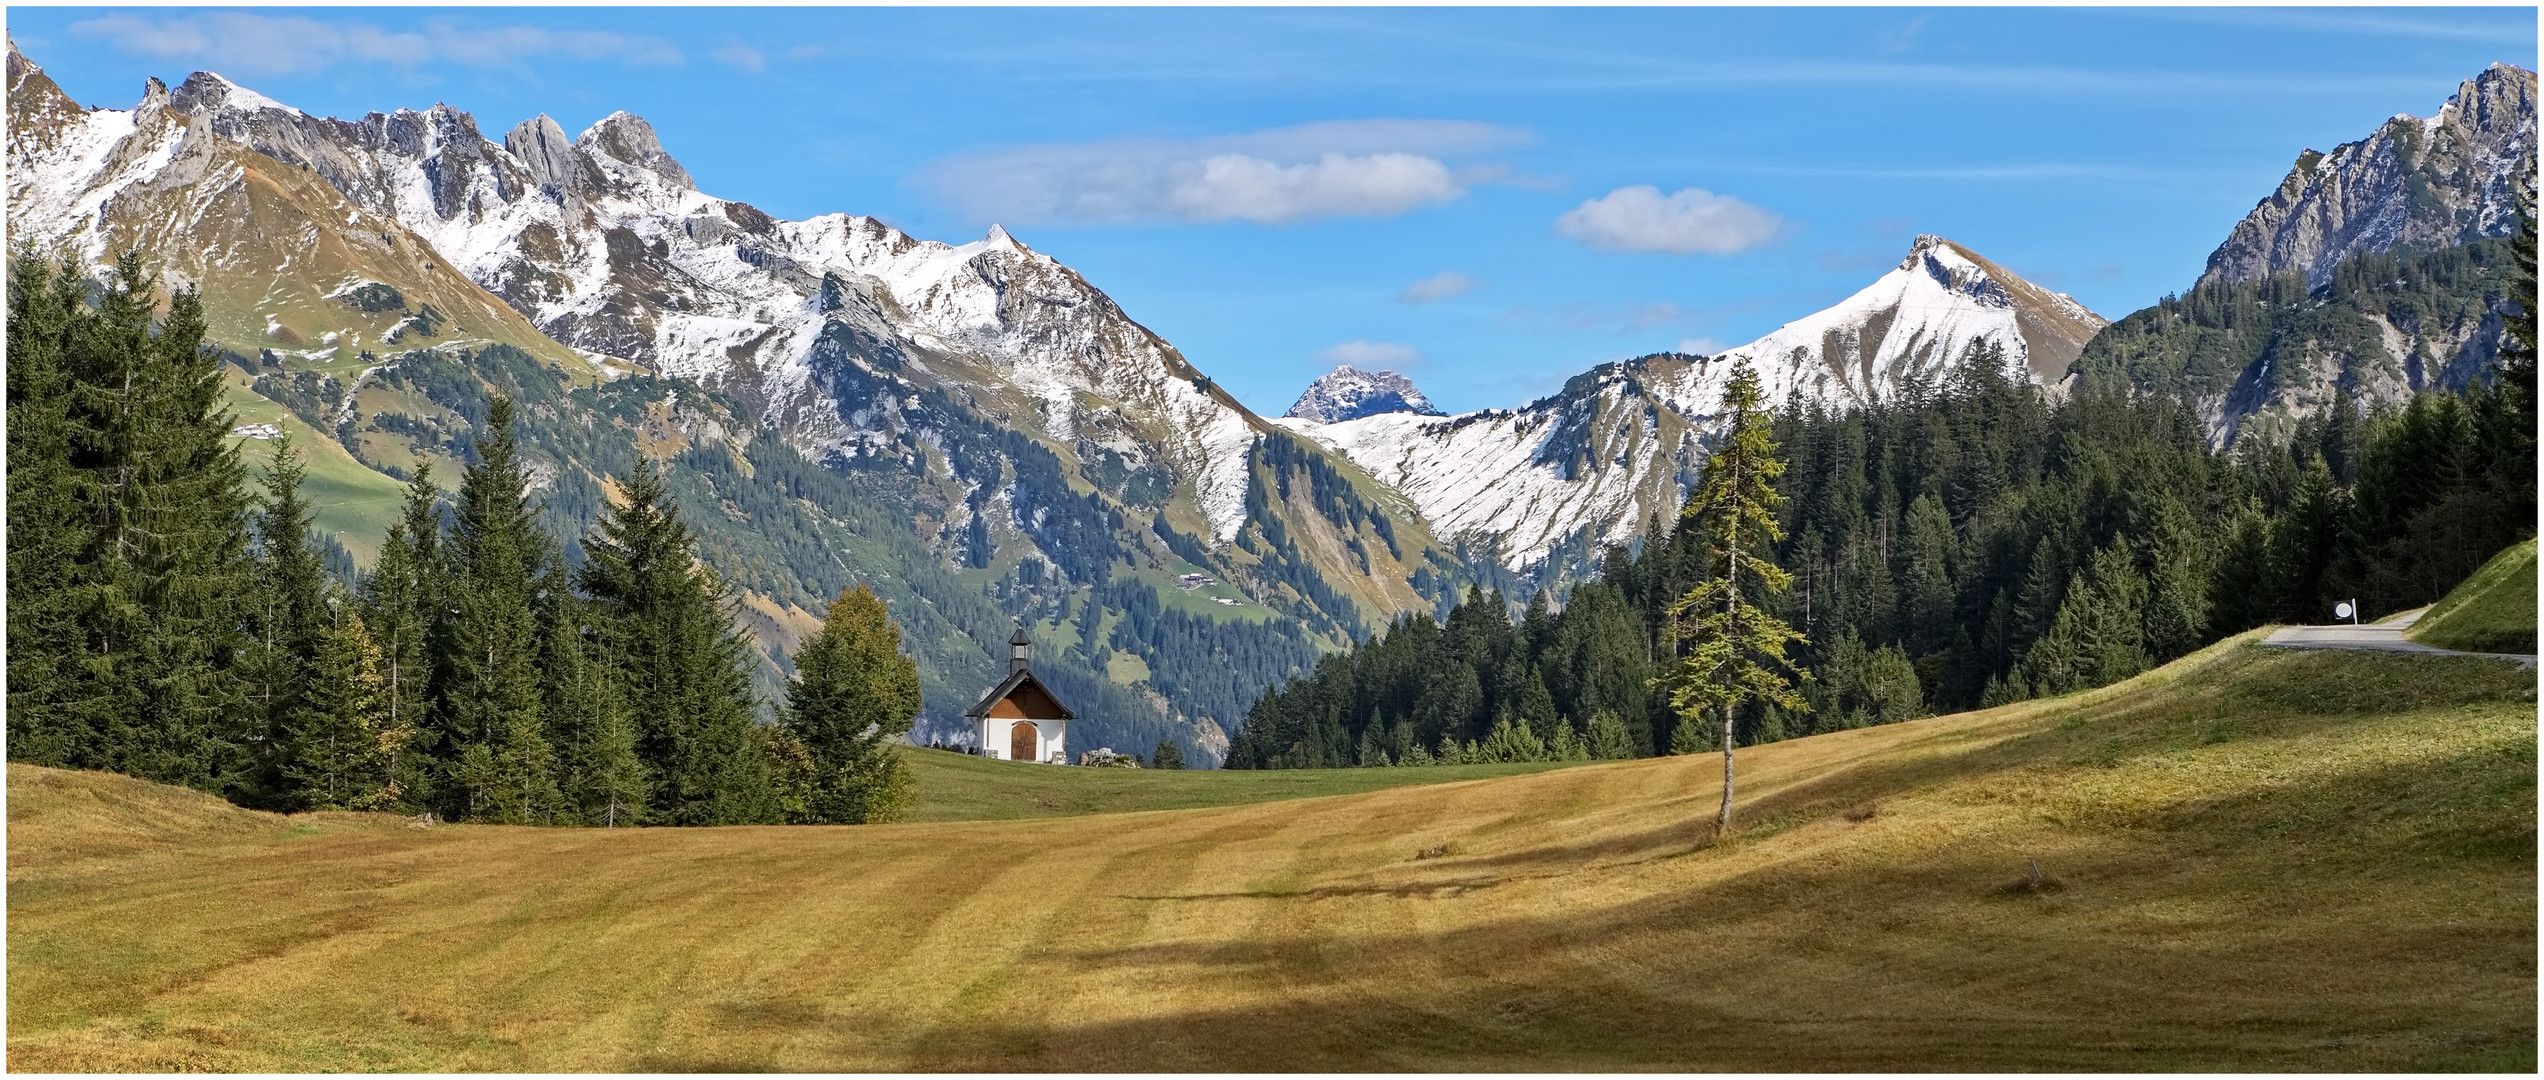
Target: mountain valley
<point>988,440</point>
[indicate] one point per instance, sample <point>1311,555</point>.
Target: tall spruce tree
<point>490,701</point>
<point>853,696</point>
<point>403,602</point>
<point>138,638</point>
<point>595,740</point>
<point>287,622</point>
<point>337,749</point>
<point>1731,650</point>
<point>683,670</point>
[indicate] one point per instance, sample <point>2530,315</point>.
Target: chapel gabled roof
<point>1016,681</point>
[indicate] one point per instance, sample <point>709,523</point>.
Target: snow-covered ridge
<point>1911,324</point>
<point>605,243</point>
<point>1348,393</point>
<point>1583,468</point>
<point>1592,464</point>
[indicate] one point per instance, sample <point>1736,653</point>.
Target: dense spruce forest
<point>1979,542</point>
<point>166,622</point>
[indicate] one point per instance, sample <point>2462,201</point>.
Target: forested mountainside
<point>2260,354</point>
<point>2419,183</point>
<point>932,431</point>
<point>1975,543</point>
<point>1553,482</point>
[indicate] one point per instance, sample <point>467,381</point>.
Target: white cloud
<point>1702,346</point>
<point>1248,188</point>
<point>1692,221</point>
<point>742,56</point>
<point>1438,287</point>
<point>285,44</point>
<point>1350,168</point>
<point>1373,355</point>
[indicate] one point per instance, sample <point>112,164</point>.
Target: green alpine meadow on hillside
<point>2250,859</point>
<point>2493,611</point>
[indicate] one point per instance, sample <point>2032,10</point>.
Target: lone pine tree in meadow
<point>1729,650</point>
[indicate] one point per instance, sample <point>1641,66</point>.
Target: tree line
<point>166,622</point>
<point>1964,543</point>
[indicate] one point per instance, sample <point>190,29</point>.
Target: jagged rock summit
<point>1348,393</point>
<point>2416,183</point>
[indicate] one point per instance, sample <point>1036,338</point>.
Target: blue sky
<point>1491,200</point>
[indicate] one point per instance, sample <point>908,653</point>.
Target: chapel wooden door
<point>1020,741</point>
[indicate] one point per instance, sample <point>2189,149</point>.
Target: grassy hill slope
<point>2253,859</point>
<point>2493,611</point>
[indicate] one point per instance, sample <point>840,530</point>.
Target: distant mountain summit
<point>1547,486</point>
<point>2415,183</point>
<point>1348,393</point>
<point>1910,324</point>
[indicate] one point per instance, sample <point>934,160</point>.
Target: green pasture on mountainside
<point>353,503</point>
<point>2492,611</point>
<point>2250,859</point>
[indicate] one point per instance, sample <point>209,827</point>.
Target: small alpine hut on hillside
<point>1021,719</point>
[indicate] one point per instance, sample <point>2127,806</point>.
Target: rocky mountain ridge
<point>2370,274</point>
<point>859,342</point>
<point>1008,446</point>
<point>2415,182</point>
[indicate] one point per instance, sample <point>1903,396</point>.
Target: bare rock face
<point>624,138</point>
<point>2415,183</point>
<point>548,154</point>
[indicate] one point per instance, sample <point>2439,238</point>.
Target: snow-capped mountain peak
<point>215,86</point>
<point>1554,481</point>
<point>624,139</point>
<point>1909,325</point>
<point>1348,393</point>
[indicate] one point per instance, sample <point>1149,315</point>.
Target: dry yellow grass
<point>2265,860</point>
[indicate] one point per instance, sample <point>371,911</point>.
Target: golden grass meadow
<point>2252,859</point>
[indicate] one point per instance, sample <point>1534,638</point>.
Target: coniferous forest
<point>171,617</point>
<point>1982,541</point>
